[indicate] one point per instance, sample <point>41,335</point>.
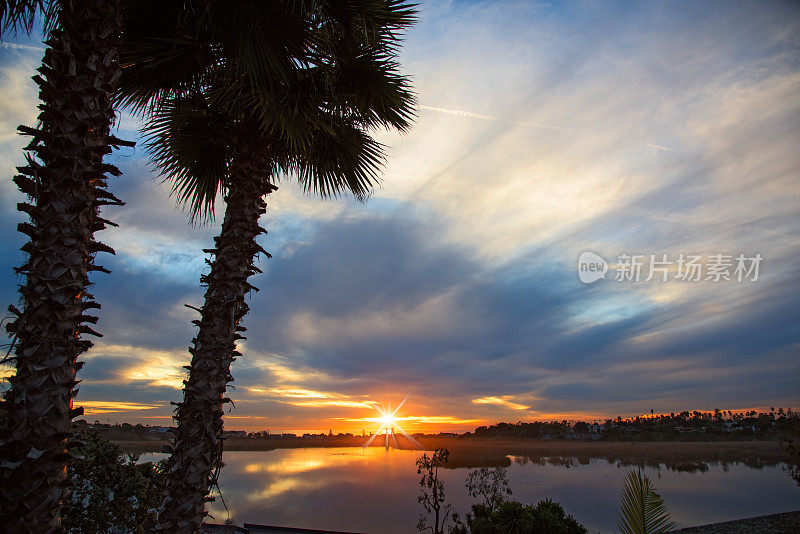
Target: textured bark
<point>65,179</point>
<point>196,457</point>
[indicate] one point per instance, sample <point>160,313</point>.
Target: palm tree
<point>65,179</point>
<point>642,510</point>
<point>237,131</point>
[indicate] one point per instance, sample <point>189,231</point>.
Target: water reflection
<point>680,467</point>
<point>375,490</point>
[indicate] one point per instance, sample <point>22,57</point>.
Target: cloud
<point>501,401</point>
<point>132,364</point>
<point>17,106</point>
<point>311,399</point>
<point>545,131</point>
<point>17,46</point>
<point>100,407</point>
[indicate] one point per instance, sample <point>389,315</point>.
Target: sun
<point>388,420</point>
<point>389,423</point>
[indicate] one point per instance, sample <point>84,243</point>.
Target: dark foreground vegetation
<point>111,492</point>
<point>641,508</point>
<point>494,513</point>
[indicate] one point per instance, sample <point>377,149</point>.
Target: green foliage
<point>431,492</point>
<point>513,517</point>
<point>642,510</point>
<point>496,515</point>
<point>110,492</point>
<point>550,518</point>
<point>490,484</point>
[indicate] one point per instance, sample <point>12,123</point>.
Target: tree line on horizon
<point>234,97</point>
<point>686,425</point>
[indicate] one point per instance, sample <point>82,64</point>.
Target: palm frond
<point>357,50</point>
<point>376,22</point>
<point>162,57</point>
<point>346,161</point>
<point>368,80</point>
<point>21,14</point>
<point>642,510</point>
<point>313,104</point>
<point>265,39</point>
<point>189,144</point>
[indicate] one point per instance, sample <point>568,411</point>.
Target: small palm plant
<point>642,510</point>
<point>513,517</point>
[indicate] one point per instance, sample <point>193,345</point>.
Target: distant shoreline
<point>495,452</point>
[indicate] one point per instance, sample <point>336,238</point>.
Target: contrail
<point>462,113</point>
<point>17,46</point>
<point>480,116</point>
<point>659,147</point>
<point>471,115</point>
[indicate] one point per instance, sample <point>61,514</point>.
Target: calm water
<point>375,491</point>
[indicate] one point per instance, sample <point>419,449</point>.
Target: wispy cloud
<point>104,407</point>
<point>501,401</point>
<point>17,46</point>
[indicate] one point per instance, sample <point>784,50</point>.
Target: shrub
<point>513,517</point>
<point>110,492</point>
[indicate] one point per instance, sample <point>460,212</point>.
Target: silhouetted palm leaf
<point>16,14</point>
<point>642,510</point>
<point>190,144</point>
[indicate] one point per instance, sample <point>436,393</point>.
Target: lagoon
<point>375,490</point>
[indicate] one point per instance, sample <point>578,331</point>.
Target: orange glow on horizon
<point>346,413</point>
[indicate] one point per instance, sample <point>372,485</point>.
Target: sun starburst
<point>388,424</point>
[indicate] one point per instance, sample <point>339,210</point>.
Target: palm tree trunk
<point>65,179</point>
<point>197,450</point>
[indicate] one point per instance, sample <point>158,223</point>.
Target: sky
<point>544,130</point>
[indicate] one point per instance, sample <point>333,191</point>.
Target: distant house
<point>596,428</point>
<point>234,434</point>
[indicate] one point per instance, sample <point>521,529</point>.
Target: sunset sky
<point>543,130</point>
